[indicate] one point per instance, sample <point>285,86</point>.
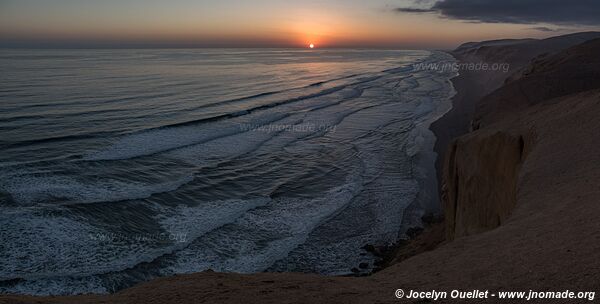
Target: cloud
<point>544,29</point>
<point>574,12</point>
<point>413,10</point>
<point>554,30</point>
<point>417,6</point>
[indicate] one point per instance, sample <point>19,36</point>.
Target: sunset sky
<point>278,23</point>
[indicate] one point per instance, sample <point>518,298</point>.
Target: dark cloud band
<point>576,12</point>
<point>413,10</point>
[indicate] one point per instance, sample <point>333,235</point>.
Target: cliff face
<point>482,169</point>
<point>517,53</point>
<point>480,180</point>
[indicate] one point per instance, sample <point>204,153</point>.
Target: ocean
<point>119,166</point>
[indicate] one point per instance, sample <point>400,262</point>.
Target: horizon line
<point>49,47</point>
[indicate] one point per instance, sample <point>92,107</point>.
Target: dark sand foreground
<point>521,194</point>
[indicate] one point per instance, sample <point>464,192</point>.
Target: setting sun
<point>146,143</point>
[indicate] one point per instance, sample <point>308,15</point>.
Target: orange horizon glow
<point>260,23</point>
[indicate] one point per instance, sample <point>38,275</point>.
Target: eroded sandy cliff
<point>482,168</point>
<point>480,180</point>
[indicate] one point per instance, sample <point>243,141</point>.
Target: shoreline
<point>424,223</point>
<point>422,237</point>
<point>387,223</point>
<point>430,232</point>
<point>423,218</point>
<point>456,122</point>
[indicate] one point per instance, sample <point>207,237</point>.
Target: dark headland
<point>519,171</point>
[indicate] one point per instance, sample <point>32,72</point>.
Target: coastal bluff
<point>514,56</point>
<point>482,168</point>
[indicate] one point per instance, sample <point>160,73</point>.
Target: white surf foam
<point>195,221</point>
<point>263,235</point>
<point>57,286</point>
<point>60,255</point>
<point>170,138</point>
<point>238,235</point>
<point>180,137</point>
<point>29,189</point>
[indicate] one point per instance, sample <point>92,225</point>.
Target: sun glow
<point>312,46</point>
